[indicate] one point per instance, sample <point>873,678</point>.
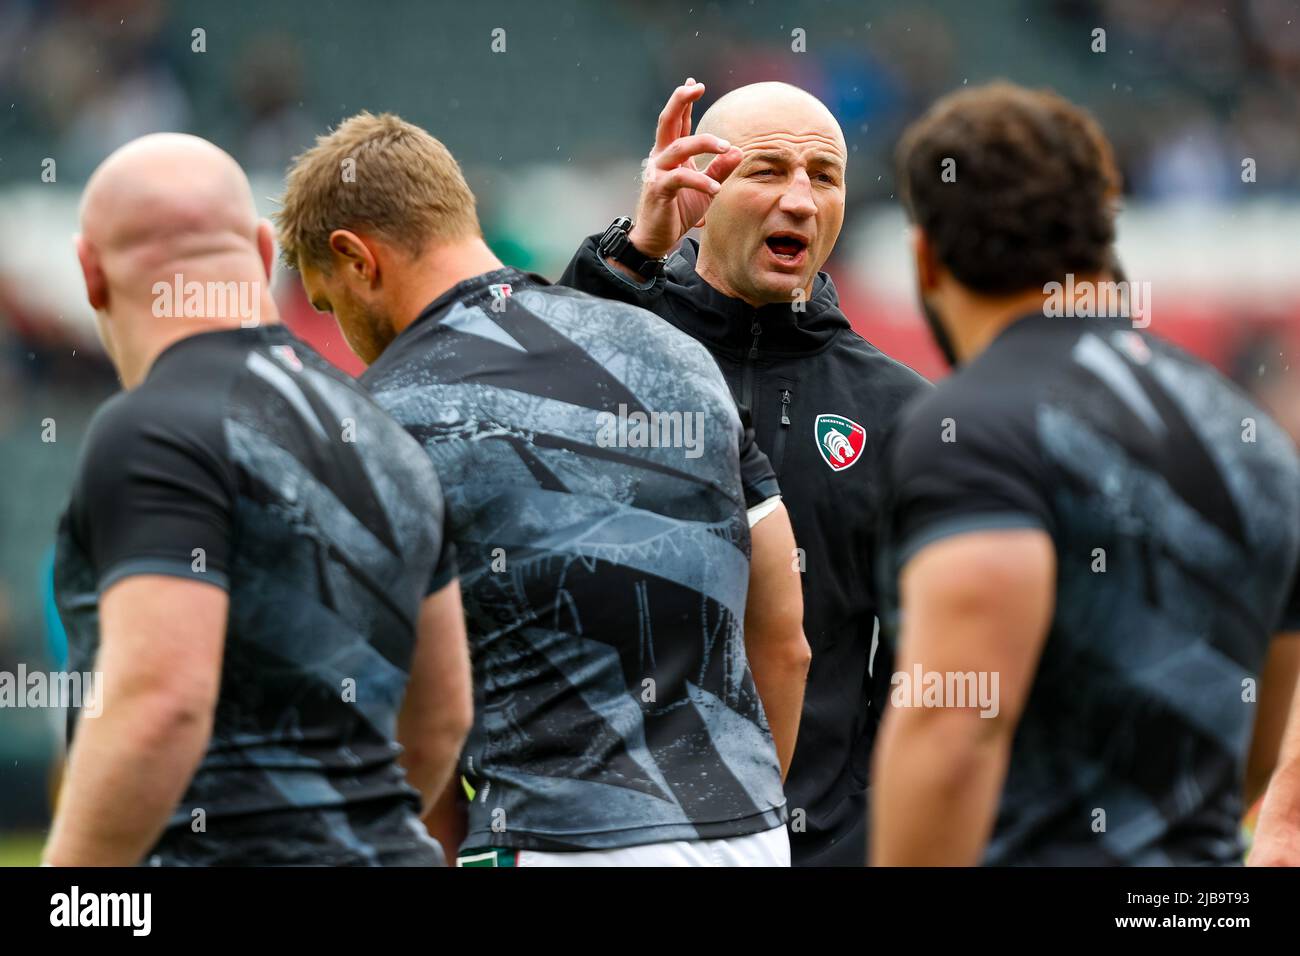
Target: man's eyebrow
<point>828,159</point>
<point>768,156</point>
<point>784,156</point>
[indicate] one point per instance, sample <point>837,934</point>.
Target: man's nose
<point>797,200</point>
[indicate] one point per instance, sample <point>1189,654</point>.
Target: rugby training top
<point>246,461</point>
<point>822,398</point>
<point>597,475</point>
<point>1173,504</point>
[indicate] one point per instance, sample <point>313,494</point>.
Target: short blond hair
<point>378,174</point>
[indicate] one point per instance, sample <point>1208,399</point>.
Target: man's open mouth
<point>786,246</point>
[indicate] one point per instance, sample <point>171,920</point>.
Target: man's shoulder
<point>119,424</point>
<point>632,326</point>
<point>157,409</point>
<point>881,373</point>
<point>191,380</point>
<point>849,343</point>
<point>970,410</point>
<point>588,300</point>
<point>280,364</point>
<point>153,433</point>
<point>186,397</point>
<point>583,299</point>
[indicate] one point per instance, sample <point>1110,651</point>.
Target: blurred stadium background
<point>551,133</point>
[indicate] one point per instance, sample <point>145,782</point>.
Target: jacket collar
<point>506,275</point>
<point>728,323</point>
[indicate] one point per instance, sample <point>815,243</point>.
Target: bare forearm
<point>1276,690</point>
<point>1277,837</point>
<point>447,820</point>
<point>1282,799</point>
<point>431,764</point>
<point>935,789</point>
<point>127,772</point>
<point>438,709</point>
<point>780,674</point>
<point>778,652</point>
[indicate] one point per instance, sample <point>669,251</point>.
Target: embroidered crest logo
<point>840,440</point>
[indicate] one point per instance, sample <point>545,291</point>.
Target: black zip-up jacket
<point>791,369</point>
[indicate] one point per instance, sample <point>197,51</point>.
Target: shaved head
<point>163,206</point>
<point>776,217</point>
<point>735,112</point>
<point>164,197</point>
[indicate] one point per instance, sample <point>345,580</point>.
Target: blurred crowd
<point>1185,88</point>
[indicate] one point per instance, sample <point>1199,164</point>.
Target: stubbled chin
<point>780,286</point>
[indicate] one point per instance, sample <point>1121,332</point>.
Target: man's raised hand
<point>675,194</point>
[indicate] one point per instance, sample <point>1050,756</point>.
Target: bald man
<point>764,179</point>
<point>252,562</point>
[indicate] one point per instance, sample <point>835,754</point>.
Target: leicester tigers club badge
<point>501,291</point>
<point>840,440</point>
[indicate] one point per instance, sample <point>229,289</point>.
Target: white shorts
<point>769,848</point>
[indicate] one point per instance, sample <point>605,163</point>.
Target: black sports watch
<point>616,245</point>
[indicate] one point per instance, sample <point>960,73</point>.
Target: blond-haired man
<point>597,477</point>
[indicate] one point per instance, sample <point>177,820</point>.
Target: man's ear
<point>266,246</point>
<point>96,283</point>
<point>927,266</point>
<point>354,257</point>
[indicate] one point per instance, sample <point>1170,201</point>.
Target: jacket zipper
<point>747,375</point>
<point>778,447</point>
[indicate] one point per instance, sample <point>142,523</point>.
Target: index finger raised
<point>670,119</point>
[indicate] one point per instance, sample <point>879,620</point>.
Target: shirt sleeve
<point>968,470</point>
<point>757,477</point>
<point>589,272</point>
<point>155,496</point>
<point>761,510</point>
<point>446,569</point>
